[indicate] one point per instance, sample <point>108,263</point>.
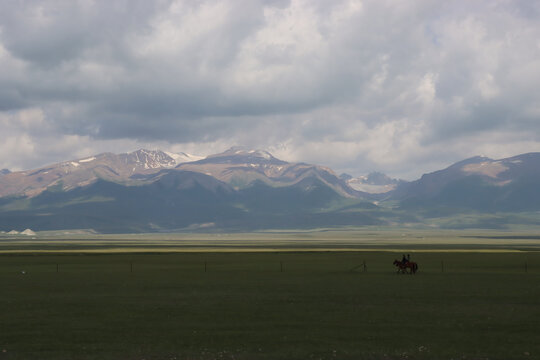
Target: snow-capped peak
<point>183,157</point>
<point>241,150</point>
<point>140,159</point>
<point>149,159</point>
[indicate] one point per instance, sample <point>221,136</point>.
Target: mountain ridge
<point>240,167</point>
<point>82,172</point>
<point>244,189</point>
<point>478,183</point>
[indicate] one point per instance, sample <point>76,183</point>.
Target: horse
<point>402,268</point>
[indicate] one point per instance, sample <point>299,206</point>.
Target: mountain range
<point>247,189</point>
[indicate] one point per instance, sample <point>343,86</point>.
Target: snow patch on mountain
<point>157,159</point>
<point>149,159</point>
<point>242,155</point>
<point>183,157</point>
<point>256,153</point>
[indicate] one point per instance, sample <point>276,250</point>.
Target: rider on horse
<point>405,264</point>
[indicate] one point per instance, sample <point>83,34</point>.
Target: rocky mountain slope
<point>182,200</point>
<point>479,183</point>
<point>122,168</point>
<point>241,167</point>
<point>152,191</point>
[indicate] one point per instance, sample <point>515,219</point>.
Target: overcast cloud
<point>403,87</point>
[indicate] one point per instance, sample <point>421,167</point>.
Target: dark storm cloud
<point>348,83</point>
<point>167,63</point>
<point>48,33</point>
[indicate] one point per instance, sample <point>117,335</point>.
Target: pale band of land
<point>275,241</point>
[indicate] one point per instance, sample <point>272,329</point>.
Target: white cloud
<point>402,87</point>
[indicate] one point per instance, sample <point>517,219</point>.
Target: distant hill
<point>479,183</point>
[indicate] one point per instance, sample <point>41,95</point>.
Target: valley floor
<point>477,303</point>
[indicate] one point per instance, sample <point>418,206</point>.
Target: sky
<point>402,87</point>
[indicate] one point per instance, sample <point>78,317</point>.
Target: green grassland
<point>271,302</point>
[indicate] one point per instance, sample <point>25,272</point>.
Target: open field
<point>475,304</point>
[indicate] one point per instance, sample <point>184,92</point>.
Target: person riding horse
<point>406,259</point>
<point>405,264</point>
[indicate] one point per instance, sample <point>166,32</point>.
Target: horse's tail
<point>415,267</point>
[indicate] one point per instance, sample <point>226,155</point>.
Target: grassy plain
<point>476,300</point>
